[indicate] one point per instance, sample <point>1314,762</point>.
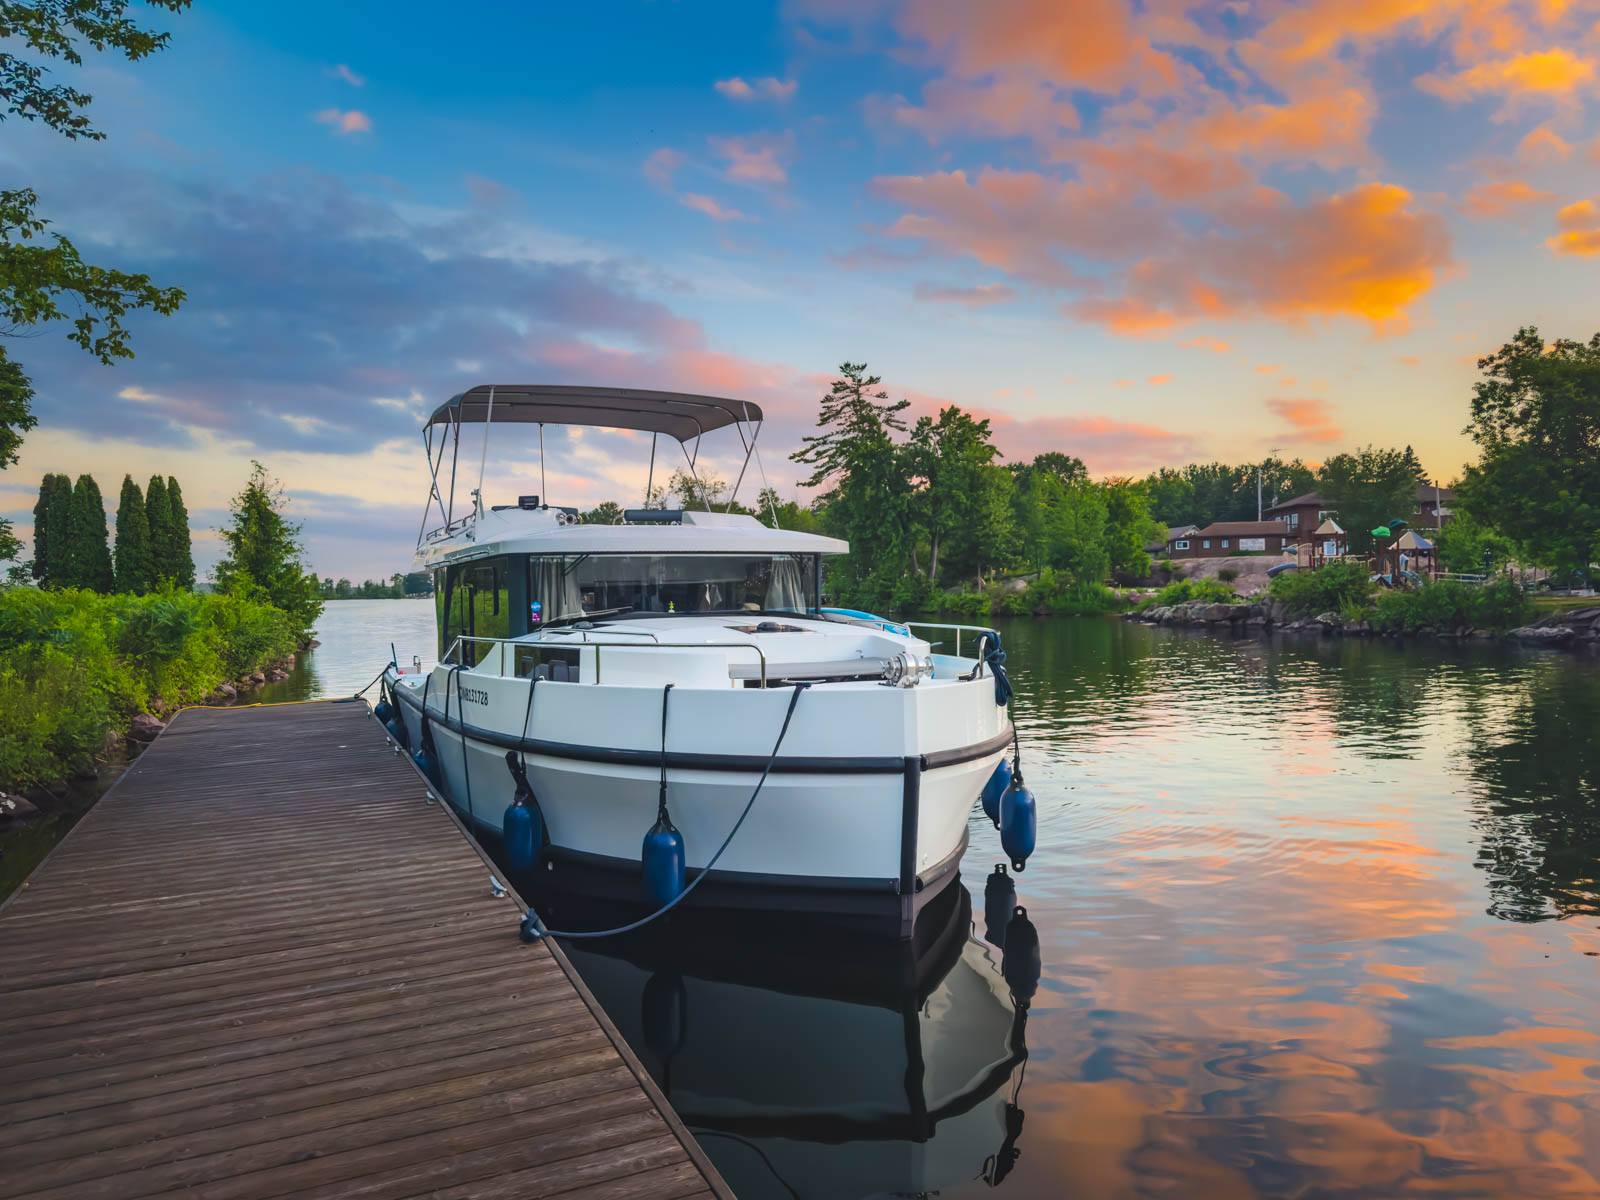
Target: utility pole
<point>1273,450</point>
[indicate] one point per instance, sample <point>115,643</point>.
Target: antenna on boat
<point>544,495</point>
<point>650,480</point>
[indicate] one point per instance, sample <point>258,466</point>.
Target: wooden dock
<point>265,965</point>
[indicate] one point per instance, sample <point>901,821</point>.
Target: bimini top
<point>675,414</point>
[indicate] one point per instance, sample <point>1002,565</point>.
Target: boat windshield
<point>567,588</point>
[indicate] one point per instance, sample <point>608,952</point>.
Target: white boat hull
<point>864,813</point>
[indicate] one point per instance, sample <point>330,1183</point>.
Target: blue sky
<point>1138,232</point>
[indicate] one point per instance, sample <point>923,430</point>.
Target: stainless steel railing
<point>451,655</point>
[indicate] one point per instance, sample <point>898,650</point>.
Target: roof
<point>1304,501</point>
<point>677,414</point>
<point>1330,526</point>
<point>1244,529</point>
<point>1181,531</point>
<point>1426,493</point>
<point>539,531</point>
<point>1410,540</point>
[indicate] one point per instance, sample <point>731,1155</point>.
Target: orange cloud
<point>1541,145</point>
<point>1004,107</point>
<point>1158,380</point>
<point>1555,72</point>
<point>1267,368</point>
<point>753,159</point>
<point>973,297</point>
<point>343,122</point>
<point>1109,446</point>
<point>712,209</point>
<point>1489,201</point>
<point>1410,360</point>
<point>1312,418</point>
<point>1580,230</point>
<point>764,88</point>
<point>1216,345</point>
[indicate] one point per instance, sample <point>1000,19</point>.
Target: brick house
<point>1223,538</point>
<point>1302,514</point>
<point>1433,506</point>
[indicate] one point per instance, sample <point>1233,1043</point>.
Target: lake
<point>1315,918</point>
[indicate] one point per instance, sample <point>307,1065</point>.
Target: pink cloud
<point>710,207</point>
<point>1311,418</point>
<point>1491,201</point>
<point>344,122</point>
<point>340,71</point>
<point>764,88</point>
<point>753,159</point>
<point>661,165</point>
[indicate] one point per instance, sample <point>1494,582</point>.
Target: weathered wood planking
<point>263,965</point>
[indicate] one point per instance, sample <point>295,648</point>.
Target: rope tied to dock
<point>534,930</point>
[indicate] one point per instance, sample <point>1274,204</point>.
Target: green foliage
<point>1447,605</point>
<point>1181,591</point>
<point>960,502</point>
<point>1227,574</point>
<point>785,514</point>
<point>416,583</point>
<point>16,409</point>
<point>86,556</point>
<point>174,557</point>
<point>1536,419</point>
<point>1331,588</point>
<point>1201,493</point>
<point>607,512</point>
<point>263,559</point>
<point>1369,488</point>
<point>136,566</point>
<point>75,665</point>
<point>50,530</point>
<point>1463,540</point>
<point>1129,529</point>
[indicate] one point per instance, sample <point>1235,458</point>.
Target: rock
<point>258,678</point>
<point>288,662</point>
<point>1481,635</point>
<point>17,808</point>
<point>1582,616</point>
<point>144,728</point>
<point>1356,628</point>
<point>1329,620</point>
<point>1543,635</point>
<point>112,743</point>
<point>1217,612</point>
<point>228,690</point>
<point>1256,622</point>
<point>1277,612</point>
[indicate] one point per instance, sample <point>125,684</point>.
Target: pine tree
<point>178,565</point>
<point>158,514</point>
<point>263,555</point>
<point>88,556</point>
<point>50,528</point>
<point>135,565</point>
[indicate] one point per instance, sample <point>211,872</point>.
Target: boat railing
<point>957,628</point>
<point>452,656</point>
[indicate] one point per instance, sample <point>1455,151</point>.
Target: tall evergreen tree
<point>88,556</point>
<point>178,565</point>
<point>50,528</point>
<point>135,565</point>
<point>264,554</point>
<point>158,514</point>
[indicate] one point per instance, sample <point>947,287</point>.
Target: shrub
<point>74,665</point>
<point>1448,604</point>
<point>1227,574</point>
<point>1333,588</point>
<point>1181,591</point>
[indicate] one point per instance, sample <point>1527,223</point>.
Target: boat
<point>675,676</point>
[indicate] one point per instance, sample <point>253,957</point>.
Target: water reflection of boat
<point>836,1067</point>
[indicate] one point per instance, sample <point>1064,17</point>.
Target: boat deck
<point>264,965</point>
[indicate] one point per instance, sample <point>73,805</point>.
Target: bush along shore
<point>80,672</point>
<point>1339,601</point>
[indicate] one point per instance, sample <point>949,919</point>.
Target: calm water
<point>1315,919</point>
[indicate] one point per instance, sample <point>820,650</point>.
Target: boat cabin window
<point>473,602</point>
<point>566,588</point>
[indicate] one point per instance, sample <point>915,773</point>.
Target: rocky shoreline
<point>1575,629</point>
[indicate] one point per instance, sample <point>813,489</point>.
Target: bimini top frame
<point>680,415</point>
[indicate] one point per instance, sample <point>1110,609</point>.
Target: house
<point>1222,538</point>
<point>1433,506</point>
<point>1178,533</point>
<point>1302,515</point>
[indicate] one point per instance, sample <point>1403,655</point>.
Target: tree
<point>175,560</point>
<point>1536,419</point>
<point>1369,488</point>
<point>785,514</point>
<point>44,279</point>
<point>158,515</point>
<point>607,512</point>
<point>50,529</point>
<point>263,554</point>
<point>1464,539</point>
<point>136,568</point>
<point>955,495</point>
<point>1129,529</point>
<point>87,557</point>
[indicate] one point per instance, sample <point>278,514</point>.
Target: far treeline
<point>152,547</point>
<point>415,583</point>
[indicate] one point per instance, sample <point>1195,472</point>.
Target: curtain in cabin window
<point>787,591</point>
<point>553,589</point>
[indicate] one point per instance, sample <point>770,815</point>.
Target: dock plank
<point>264,964</point>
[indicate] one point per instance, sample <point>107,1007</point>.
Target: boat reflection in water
<point>827,1065</point>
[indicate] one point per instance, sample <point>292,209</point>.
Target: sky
<point>1145,232</point>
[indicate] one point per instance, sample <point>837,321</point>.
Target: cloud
<point>1267,368</point>
<point>340,71</point>
<point>1311,418</point>
<point>1556,72</point>
<point>1491,201</point>
<point>1580,230</point>
<point>753,159</point>
<point>1158,380</point>
<point>708,206</point>
<point>1109,446</point>
<point>995,108</point>
<point>661,165</point>
<point>1542,145</point>
<point>1215,345</point>
<point>981,296</point>
<point>344,122</point>
<point>764,88</point>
